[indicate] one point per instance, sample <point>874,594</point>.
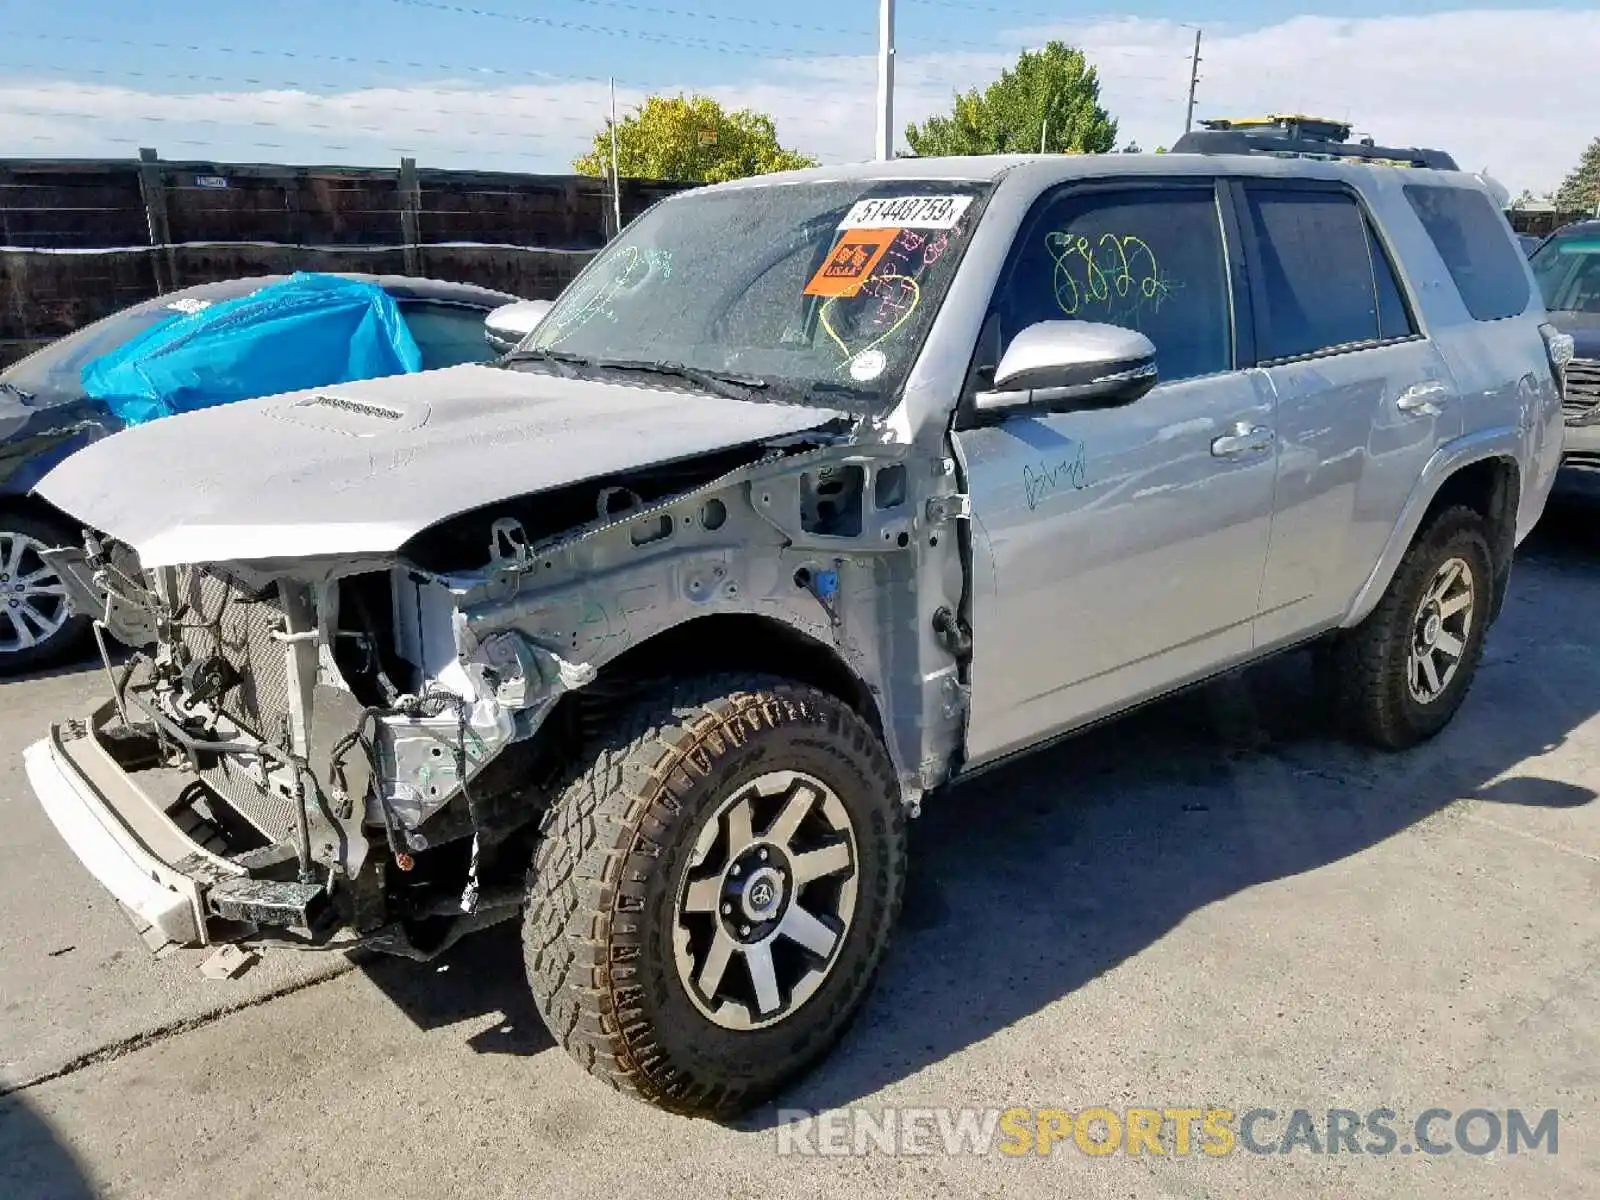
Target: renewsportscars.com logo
<point>1175,1131</point>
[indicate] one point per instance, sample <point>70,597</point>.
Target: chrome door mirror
<point>506,326</point>
<point>1071,364</point>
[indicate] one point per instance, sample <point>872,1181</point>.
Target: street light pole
<point>885,79</point>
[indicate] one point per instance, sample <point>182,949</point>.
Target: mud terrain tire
<point>1372,665</point>
<point>604,931</point>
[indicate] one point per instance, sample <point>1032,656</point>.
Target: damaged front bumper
<point>130,838</point>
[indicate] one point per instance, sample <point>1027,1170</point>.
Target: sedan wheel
<point>34,606</point>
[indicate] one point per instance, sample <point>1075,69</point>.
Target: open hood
<point>361,468</point>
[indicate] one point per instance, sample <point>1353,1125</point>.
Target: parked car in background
<point>48,413</point>
<point>1567,268</point>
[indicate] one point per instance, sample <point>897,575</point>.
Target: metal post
<point>1194,79</point>
<point>616,162</point>
<point>153,191</point>
<point>410,216</point>
<point>1044,132</point>
<point>885,79</point>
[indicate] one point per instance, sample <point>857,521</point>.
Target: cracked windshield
<point>819,291</point>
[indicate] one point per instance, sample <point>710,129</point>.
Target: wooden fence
<point>82,238</point>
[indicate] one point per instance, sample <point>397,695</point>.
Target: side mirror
<point>506,326</point>
<point>1071,364</point>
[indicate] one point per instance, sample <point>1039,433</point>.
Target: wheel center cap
<point>763,894</point>
<point>1431,628</point>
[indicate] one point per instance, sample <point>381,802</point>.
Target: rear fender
<point>1502,442</point>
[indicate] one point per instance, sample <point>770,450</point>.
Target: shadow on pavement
<point>1032,881</point>
<point>34,1163</point>
<point>478,977</point>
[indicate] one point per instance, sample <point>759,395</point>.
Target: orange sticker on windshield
<point>852,262</point>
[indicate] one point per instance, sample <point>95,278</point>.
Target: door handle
<point>1242,440</point>
<point>1423,399</point>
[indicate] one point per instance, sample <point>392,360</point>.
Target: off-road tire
<point>1368,664</point>
<point>597,932</point>
<point>72,639</point>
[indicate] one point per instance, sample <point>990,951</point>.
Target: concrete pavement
<point>1211,904</point>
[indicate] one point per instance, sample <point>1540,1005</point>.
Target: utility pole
<point>1194,79</point>
<point>885,79</point>
<point>616,170</point>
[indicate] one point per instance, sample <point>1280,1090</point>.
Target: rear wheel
<point>38,627</point>
<point>1403,672</point>
<point>714,891</point>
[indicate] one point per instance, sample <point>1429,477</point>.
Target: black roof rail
<point>1303,137</point>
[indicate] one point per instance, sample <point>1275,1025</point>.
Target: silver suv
<point>812,495</point>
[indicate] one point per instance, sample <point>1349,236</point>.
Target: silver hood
<point>361,468</point>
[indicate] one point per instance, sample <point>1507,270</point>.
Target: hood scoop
<point>333,413</point>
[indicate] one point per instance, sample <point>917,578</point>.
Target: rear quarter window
<point>1475,241</point>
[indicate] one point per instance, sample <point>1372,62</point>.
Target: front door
<point>1117,551</point>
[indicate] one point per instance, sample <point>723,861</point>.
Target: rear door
<point>1364,397</point>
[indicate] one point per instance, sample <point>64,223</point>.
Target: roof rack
<point>1300,136</point>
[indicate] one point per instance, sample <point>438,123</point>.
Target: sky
<point>522,85</point>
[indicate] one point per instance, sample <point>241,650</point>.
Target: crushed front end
<point>296,756</point>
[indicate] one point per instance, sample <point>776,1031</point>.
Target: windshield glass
<point>1568,272</point>
<point>816,291</point>
<point>56,371</point>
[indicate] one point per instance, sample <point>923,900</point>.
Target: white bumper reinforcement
<point>99,813</point>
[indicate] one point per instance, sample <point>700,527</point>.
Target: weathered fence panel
<point>81,239</point>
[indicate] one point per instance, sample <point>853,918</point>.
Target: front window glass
<point>1148,259</point>
<point>1568,273</point>
<point>817,292</point>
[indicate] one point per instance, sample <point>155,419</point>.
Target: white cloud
<point>1514,91</point>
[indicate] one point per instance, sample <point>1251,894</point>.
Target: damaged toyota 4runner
<point>813,494</point>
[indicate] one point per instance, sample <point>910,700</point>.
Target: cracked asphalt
<point>1213,903</point>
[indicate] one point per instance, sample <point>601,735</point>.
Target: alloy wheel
<point>1440,631</point>
<point>760,916</point>
<point>34,606</point>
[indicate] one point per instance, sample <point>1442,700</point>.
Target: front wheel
<point>714,891</point>
<point>1403,672</point>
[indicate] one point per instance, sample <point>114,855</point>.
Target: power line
<point>337,99</point>
<point>690,14</point>
<point>343,59</point>
<point>714,45</point>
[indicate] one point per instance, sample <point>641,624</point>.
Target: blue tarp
<point>304,332</point>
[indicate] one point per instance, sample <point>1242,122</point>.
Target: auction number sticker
<point>906,212</point>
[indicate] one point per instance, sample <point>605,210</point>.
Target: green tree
<point>691,139</point>
<point>1049,100</point>
<point>1580,191</point>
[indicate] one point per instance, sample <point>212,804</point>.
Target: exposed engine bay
<point>363,747</point>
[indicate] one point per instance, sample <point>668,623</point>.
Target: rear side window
<point>1394,315</point>
<point>1475,242</point>
<point>1314,277</point>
